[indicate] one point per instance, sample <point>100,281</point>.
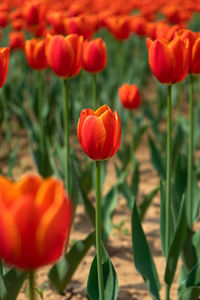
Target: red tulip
<point>94,55</point>
<point>169,62</point>
<point>16,40</point>
<point>129,96</point>
<point>32,14</point>
<point>4,64</point>
<point>35,220</point>
<point>120,26</point>
<point>99,132</point>
<point>35,54</point>
<point>194,48</point>
<point>64,54</point>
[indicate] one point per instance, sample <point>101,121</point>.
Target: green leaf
<point>143,206</point>
<point>109,278</point>
<point>142,256</point>
<point>109,203</point>
<point>11,283</point>
<point>156,158</point>
<point>190,288</point>
<point>177,244</point>
<point>125,190</point>
<point>180,178</point>
<point>196,198</point>
<point>62,272</point>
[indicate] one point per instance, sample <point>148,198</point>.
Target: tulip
<point>129,96</point>
<point>35,220</point>
<point>64,54</point>
<point>31,14</point>
<point>16,40</point>
<point>94,55</point>
<point>169,62</point>
<point>119,26</point>
<point>4,64</point>
<point>35,54</point>
<point>99,132</point>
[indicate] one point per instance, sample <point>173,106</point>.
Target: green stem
<point>31,285</point>
<point>66,133</point>
<point>94,91</point>
<point>190,154</point>
<point>168,175</point>
<point>40,120</point>
<point>98,231</point>
<point>167,292</point>
<point>132,145</point>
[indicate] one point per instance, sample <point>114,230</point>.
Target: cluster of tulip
<point>36,213</point>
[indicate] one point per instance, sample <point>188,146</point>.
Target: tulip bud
<point>94,55</point>
<point>35,54</point>
<point>64,54</point>
<point>99,132</point>
<point>35,220</point>
<point>169,62</point>
<point>129,96</point>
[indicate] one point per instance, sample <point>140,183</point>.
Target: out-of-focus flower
<point>99,132</point>
<point>35,220</point>
<point>4,64</point>
<point>16,40</point>
<point>94,55</point>
<point>129,95</point>
<point>35,54</point>
<point>64,54</point>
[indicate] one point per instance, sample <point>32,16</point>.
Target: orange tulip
<point>129,96</point>
<point>120,26</point>
<point>64,54</point>
<point>35,54</point>
<point>16,40</point>
<point>194,48</point>
<point>94,55</point>
<point>35,220</point>
<point>99,132</point>
<point>4,64</point>
<point>169,62</point>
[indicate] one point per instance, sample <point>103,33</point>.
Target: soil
<point>119,245</point>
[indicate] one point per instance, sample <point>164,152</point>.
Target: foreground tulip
<point>169,62</point>
<point>64,54</point>
<point>99,132</point>
<point>94,55</point>
<point>35,54</point>
<point>35,220</point>
<point>4,64</point>
<point>129,96</point>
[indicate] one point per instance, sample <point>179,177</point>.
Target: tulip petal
<point>84,114</point>
<point>101,110</point>
<point>93,137</point>
<point>4,64</point>
<point>117,133</point>
<point>109,124</point>
<point>161,61</point>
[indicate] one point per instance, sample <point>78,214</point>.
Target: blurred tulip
<point>3,19</point>
<point>35,220</point>
<point>169,62</point>
<point>119,26</point>
<point>64,54</point>
<point>81,25</point>
<point>4,64</point>
<point>35,54</point>
<point>194,49</point>
<point>16,40</point>
<point>99,132</point>
<point>129,96</point>
<point>31,14</point>
<point>94,55</point>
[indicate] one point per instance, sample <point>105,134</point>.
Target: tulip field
<point>100,150</point>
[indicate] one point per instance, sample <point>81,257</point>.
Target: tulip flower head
<point>99,132</point>
<point>94,55</point>
<point>35,54</point>
<point>64,54</point>
<point>35,220</point>
<point>4,64</point>
<point>16,40</point>
<point>169,62</point>
<point>129,96</point>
